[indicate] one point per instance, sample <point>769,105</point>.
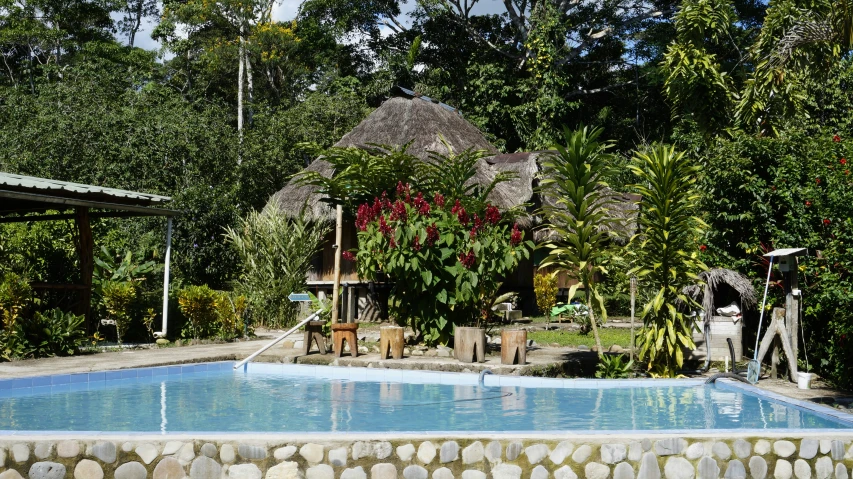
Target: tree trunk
<point>592,323</point>
<point>391,342</point>
<point>240,54</point>
<point>250,87</point>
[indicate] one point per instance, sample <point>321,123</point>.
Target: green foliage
<point>198,305</point>
<point>609,337</point>
<point>545,288</point>
<point>275,252</point>
<point>56,333</point>
<point>117,298</point>
<point>666,254</point>
<point>613,366</point>
<point>577,211</point>
<point>231,312</point>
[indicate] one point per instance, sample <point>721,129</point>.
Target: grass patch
<point>609,337</point>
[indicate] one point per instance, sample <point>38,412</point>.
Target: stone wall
<point>593,457</point>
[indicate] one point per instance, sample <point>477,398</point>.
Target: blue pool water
<point>271,399</point>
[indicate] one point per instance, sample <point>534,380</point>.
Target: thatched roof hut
<point>722,282</point>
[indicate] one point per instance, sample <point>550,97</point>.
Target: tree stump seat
<point>391,341</point>
<point>514,346</point>
<point>342,332</point>
<point>469,344</point>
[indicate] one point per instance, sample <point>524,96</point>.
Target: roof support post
<point>85,251</point>
<point>168,258</point>
<point>336,286</point>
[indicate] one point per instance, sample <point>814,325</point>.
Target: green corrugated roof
<point>77,190</point>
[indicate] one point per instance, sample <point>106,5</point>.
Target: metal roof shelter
<point>28,198</point>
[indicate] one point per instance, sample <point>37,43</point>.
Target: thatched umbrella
<point>712,280</point>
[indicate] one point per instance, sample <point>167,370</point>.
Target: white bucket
<point>804,380</point>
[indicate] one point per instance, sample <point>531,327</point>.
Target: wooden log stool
<point>314,333</point>
<point>345,332</point>
<point>513,346</point>
<point>391,342</point>
<point>469,344</point>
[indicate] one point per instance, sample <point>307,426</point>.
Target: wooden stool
<point>513,346</point>
<point>469,344</point>
<point>391,342</point>
<point>345,332</point>
<point>314,333</point>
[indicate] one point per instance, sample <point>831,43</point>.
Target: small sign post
<point>298,297</point>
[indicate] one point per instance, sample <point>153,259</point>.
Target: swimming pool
<point>268,398</point>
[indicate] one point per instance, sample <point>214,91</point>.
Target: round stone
<point>649,468</point>
<point>808,448</point>
<point>802,469</point>
<point>354,473</point>
<point>473,474</point>
<point>695,451</point>
<point>565,472</point>
<point>68,449</point>
<point>426,452</point>
<point>208,450</point>
<point>708,468</point>
<point>169,468</point>
<point>147,452</point>
<point>287,470</point>
<point>506,471</point>
<point>254,453</point>
<point>635,451</point>
<point>670,446</point>
<point>284,453</point>
<point>205,468</point>
<point>561,452</point>
<point>762,447</point>
<point>312,453</point>
<point>406,452</point>
<point>131,470</point>
<point>172,447</point>
<point>442,473</point>
<point>88,469</point>
<point>244,471</point>
<point>836,450</point>
<point>742,448</point>
<point>757,467</point>
<point>227,454</point>
<point>582,453</point>
<point>361,449</point>
<point>823,468</point>
<point>126,446</point>
<point>20,452</point>
<point>383,471</point>
<point>594,470</point>
<point>536,453</point>
<point>623,470</point>
<point>338,457</point>
<point>784,448</point>
<point>43,450</point>
<point>840,471</point>
<point>539,472</point>
<point>320,471</point>
<point>721,450</point>
<point>415,472</point>
<point>382,450</point>
<point>494,451</point>
<point>735,470</point>
<point>474,453</point>
<point>48,470</point>
<point>513,450</point>
<point>105,451</point>
<point>449,452</point>
<point>10,474</point>
<point>678,468</point>
<point>613,453</point>
<point>186,454</point>
<point>783,470</point>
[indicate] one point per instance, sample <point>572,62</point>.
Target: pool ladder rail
<point>277,340</point>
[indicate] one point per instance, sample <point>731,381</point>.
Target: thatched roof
<point>406,117</point>
<point>713,280</point>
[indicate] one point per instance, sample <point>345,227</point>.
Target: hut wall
<point>324,269</point>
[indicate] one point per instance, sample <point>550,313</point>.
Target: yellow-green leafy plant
<point>198,305</point>
<point>231,309</point>
<point>666,254</point>
<point>545,288</point>
<point>117,298</point>
<point>15,296</point>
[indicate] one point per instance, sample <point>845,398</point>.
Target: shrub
<point>198,305</point>
<point>230,312</point>
<point>614,367</point>
<point>117,298</point>
<point>56,333</point>
<point>275,253</point>
<point>545,288</point>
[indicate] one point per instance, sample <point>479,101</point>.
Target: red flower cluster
<point>432,235</point>
<point>817,181</point>
<point>467,260</point>
<point>398,211</point>
<point>515,236</point>
<point>438,199</point>
<point>421,204</point>
<point>417,244</point>
<point>493,215</point>
<point>404,191</point>
<point>478,225</point>
<point>826,222</point>
<point>367,213</point>
<point>703,248</point>
<point>393,243</point>
<point>347,255</point>
<point>808,203</point>
<point>836,138</point>
<point>843,161</point>
<point>383,227</point>
<point>460,213</point>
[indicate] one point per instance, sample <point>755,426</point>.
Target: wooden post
<point>391,341</point>
<point>469,344</point>
<point>351,303</point>
<point>87,264</point>
<point>792,311</point>
<point>336,286</point>
<point>514,346</point>
<point>777,331</point>
<point>633,300</point>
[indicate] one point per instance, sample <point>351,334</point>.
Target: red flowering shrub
<point>446,263</point>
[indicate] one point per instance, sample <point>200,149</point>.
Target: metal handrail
<point>277,340</point>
